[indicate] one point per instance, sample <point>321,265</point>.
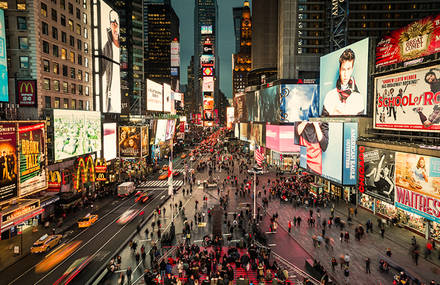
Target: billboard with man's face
<point>343,81</point>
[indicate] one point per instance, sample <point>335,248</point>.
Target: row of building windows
<point>45,30</point>
<point>54,85</point>
<point>54,14</point>
<point>73,73</point>
<point>71,56</point>
<point>65,105</point>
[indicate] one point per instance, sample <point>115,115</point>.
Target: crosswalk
<point>159,184</point>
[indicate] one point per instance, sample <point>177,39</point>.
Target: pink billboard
<point>272,132</point>
<point>280,138</point>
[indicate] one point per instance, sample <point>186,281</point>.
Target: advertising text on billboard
<point>8,161</point>
<point>130,141</point>
<point>27,93</point>
<point>154,96</point>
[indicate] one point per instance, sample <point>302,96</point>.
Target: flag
<point>259,155</point>
<point>170,176</point>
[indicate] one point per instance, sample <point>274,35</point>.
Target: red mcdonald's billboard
<point>27,93</point>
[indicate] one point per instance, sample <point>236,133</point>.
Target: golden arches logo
<point>26,85</point>
<point>54,177</point>
<point>85,170</point>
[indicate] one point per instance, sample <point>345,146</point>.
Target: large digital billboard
<point>110,140</point>
<point>415,40</point>
<point>109,61</point>
<point>229,117</point>
<point>298,102</point>
<point>257,134</point>
<point>167,98</point>
<point>32,158</point>
<point>76,133</point>
<point>408,100</point>
<point>343,81</point>
<point>244,127</point>
<point>130,141</point>
<point>349,168</point>
<point>324,147</point>
<point>8,161</point>
<point>206,29</point>
<point>240,107</point>
<point>208,104</point>
<point>154,96</point>
<point>376,173</point>
<point>171,126</point>
<point>268,104</point>
<point>208,84</point>
<point>281,138</point>
<point>161,129</point>
<point>4,95</point>
<point>253,106</point>
<point>207,60</point>
<point>145,145</point>
<point>418,185</point>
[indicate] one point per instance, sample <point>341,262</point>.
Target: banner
<point>350,154</point>
<point>145,141</point>
<point>4,95</point>
<point>171,125</point>
<point>27,93</point>
<point>240,112</point>
<point>268,104</point>
<point>299,102</point>
<point>244,131</point>
<point>376,173</point>
<point>408,100</point>
<point>33,173</point>
<point>129,141</point>
<point>8,161</point>
<point>257,134</point>
<point>110,141</point>
<point>415,40</point>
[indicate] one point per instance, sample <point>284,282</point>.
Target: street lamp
<point>253,171</point>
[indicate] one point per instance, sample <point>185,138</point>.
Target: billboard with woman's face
<point>130,141</point>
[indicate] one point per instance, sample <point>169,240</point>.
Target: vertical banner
<point>145,141</point>
<point>8,161</point>
<point>350,154</point>
<point>129,142</point>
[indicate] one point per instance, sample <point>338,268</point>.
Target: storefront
<point>284,161</point>
<point>20,217</point>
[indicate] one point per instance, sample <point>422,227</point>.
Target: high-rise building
<point>49,47</point>
<point>236,16</point>
<point>190,100</point>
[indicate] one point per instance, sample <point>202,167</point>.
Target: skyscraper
<point>236,16</point>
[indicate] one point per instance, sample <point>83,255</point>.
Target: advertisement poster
<point>167,98</point>
<point>208,104</point>
<point>408,100</point>
<point>206,29</point>
<point>244,131</point>
<point>324,147</point>
<point>208,84</point>
<point>376,173</point>
<point>145,141</point>
<point>343,81</point>
<point>350,154</point>
<point>27,93</point>
<point>175,54</point>
<point>415,40</point>
<point>8,161</point>
<point>4,95</point>
<point>171,125</point>
<point>287,139</point>
<point>240,112</point>
<point>272,137</point>
<point>252,106</point>
<point>303,157</point>
<point>130,141</point>
<point>207,60</point>
<point>298,102</point>
<point>208,115</point>
<point>154,96</point>
<point>229,117</point>
<point>269,104</point>
<point>161,130</point>
<point>257,134</point>
<point>110,138</point>
<point>76,133</point>
<point>32,163</point>
<point>109,62</point>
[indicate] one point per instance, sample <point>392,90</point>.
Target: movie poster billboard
<point>8,161</point>
<point>4,95</point>
<point>298,102</point>
<point>324,147</point>
<point>376,173</point>
<point>343,81</point>
<point>408,100</point>
<point>413,41</point>
<point>110,140</point>
<point>418,185</point>
<point>349,168</point>
<point>145,146</point>
<point>76,133</point>
<point>129,141</point>
<point>268,106</point>
<point>32,158</point>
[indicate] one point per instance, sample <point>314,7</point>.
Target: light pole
<point>255,195</point>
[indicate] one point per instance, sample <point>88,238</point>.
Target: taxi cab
<point>87,221</point>
<point>165,167</point>
<point>45,243</point>
<point>163,176</point>
<point>183,156</point>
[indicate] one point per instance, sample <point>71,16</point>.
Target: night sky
<point>226,37</point>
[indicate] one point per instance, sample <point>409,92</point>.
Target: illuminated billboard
<point>229,117</point>
<point>244,131</point>
<point>206,29</point>
<point>208,104</point>
<point>207,60</point>
<point>281,138</point>
<point>145,145</point>
<point>208,84</point>
<point>167,98</point>
<point>4,93</point>
<point>207,71</point>
<point>130,141</point>
<point>256,134</point>
<point>171,126</point>
<point>349,166</point>
<point>298,102</point>
<point>240,107</point>
<point>8,161</point>
<point>208,115</point>
<point>110,139</point>
<point>76,133</point>
<point>161,129</point>
<point>175,54</point>
<point>343,81</point>
<point>408,100</point>
<point>154,96</point>
<point>268,104</point>
<point>27,93</point>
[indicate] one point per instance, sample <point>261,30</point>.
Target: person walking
<point>367,265</point>
<point>290,226</point>
<point>382,231</point>
<point>129,272</point>
<point>346,274</point>
<point>334,263</point>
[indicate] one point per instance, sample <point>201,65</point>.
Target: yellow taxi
<point>87,221</point>
<point>165,167</point>
<point>163,176</point>
<point>183,156</point>
<point>45,243</point>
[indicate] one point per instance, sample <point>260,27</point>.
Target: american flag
<point>259,155</point>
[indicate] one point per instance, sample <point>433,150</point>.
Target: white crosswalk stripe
<point>159,184</point>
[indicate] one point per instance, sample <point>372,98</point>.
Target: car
<point>165,167</point>
<point>127,216</point>
<point>143,197</point>
<point>74,269</point>
<point>176,173</point>
<point>258,170</point>
<point>163,176</point>
<point>46,243</point>
<point>183,156</point>
<point>87,221</point>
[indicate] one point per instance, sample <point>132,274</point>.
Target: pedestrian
<point>347,259</point>
<point>355,211</point>
<point>334,263</point>
<point>367,265</point>
<point>138,256</point>
<point>346,236</point>
<point>129,271</point>
<point>341,236</point>
<point>290,225</point>
<point>298,221</point>
<point>382,231</point>
<point>388,252</point>
<point>346,274</point>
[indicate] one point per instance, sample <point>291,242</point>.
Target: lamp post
<point>255,194</point>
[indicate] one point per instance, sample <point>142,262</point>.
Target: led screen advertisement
<point>27,93</point>
<point>145,145</point>
<point>324,147</point>
<point>298,102</point>
<point>207,60</point>
<point>418,185</point>
<point>161,129</point>
<point>167,98</point>
<point>207,71</point>
<point>413,41</point>
<point>376,173</point>
<point>240,107</point>
<point>8,161</point>
<point>257,134</point>
<point>109,68</point>
<point>206,29</point>
<point>154,96</point>
<point>32,158</point>
<point>208,84</point>
<point>408,100</point>
<point>76,133</point>
<point>269,104</point>
<point>130,141</point>
<point>253,106</point>
<point>244,131</point>
<point>171,126</point>
<point>349,168</point>
<point>208,104</point>
<point>229,117</point>
<point>281,138</point>
<point>110,138</point>
<point>208,115</point>
<point>272,136</point>
<point>4,95</point>
<point>343,81</point>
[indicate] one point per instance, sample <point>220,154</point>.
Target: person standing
<point>129,271</point>
<point>290,226</point>
<point>367,265</point>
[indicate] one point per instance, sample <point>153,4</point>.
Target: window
<point>54,15</point>
<point>24,62</point>
<point>63,20</point>
<point>46,84</point>
<point>45,47</point>
<point>86,47</point>
<point>56,85</point>
<point>65,87</point>
<point>79,44</point>
<point>56,68</point>
<point>73,104</point>
<point>78,29</point>
<point>72,57</point>
<point>45,28</point>
<point>85,33</point>
<point>72,41</point>
<point>57,103</point>
<point>21,5</point>
<point>55,50</point>
<point>86,62</point>
<point>70,9</point>
<point>66,103</point>
<point>72,72</point>
<point>80,75</point>
<point>63,37</point>
<point>80,90</point>
<point>63,53</point>
<point>43,9</point>
<point>78,14</point>
<point>47,102</point>
<point>80,105</point>
<point>21,23</point>
<point>53,1</point>
<point>73,88</point>
<point>46,65</point>
<point>86,77</point>
<point>71,25</point>
<point>63,4</point>
<point>55,33</point>
<point>84,18</point>
<point>65,70</point>
<point>87,91</point>
<point>85,4</point>
<point>23,43</point>
<point>80,59</point>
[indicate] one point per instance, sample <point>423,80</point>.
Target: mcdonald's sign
<point>27,93</point>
